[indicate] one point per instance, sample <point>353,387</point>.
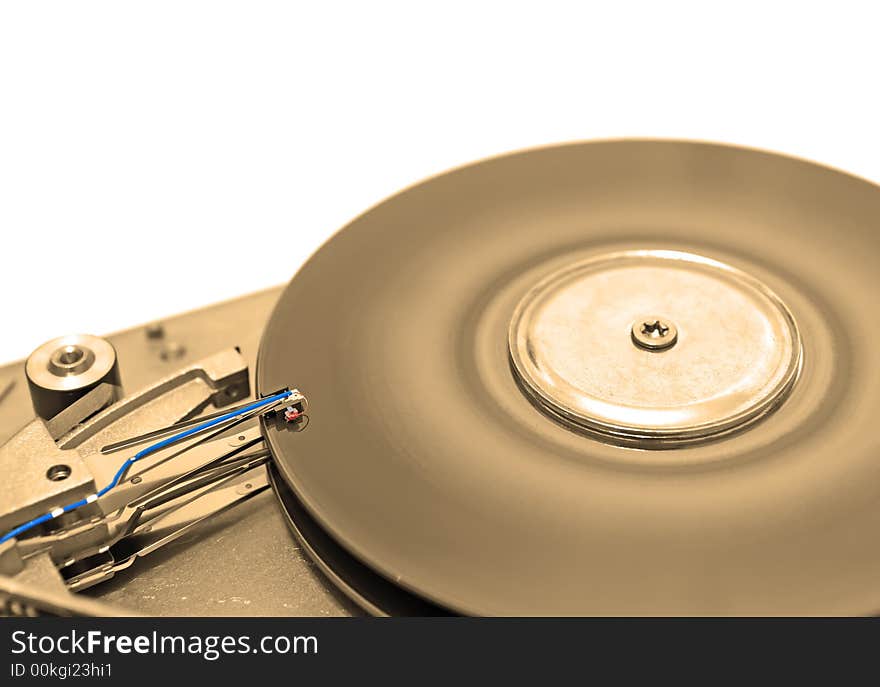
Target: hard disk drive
<point>628,377</point>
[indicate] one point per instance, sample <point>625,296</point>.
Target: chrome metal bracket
<point>160,497</point>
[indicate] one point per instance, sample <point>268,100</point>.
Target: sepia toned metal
<point>270,575</point>
<point>426,465</point>
<point>63,370</point>
<point>571,345</point>
<point>654,333</point>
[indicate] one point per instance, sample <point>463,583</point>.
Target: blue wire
<point>141,454</point>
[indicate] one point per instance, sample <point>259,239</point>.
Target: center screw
<point>654,333</point>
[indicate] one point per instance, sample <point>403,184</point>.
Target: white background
<point>145,148</point>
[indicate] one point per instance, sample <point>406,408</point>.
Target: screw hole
<point>57,473</point>
<point>71,354</point>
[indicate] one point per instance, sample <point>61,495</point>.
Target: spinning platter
<point>610,378</point>
<point>624,377</point>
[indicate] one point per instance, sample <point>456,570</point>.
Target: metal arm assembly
<point>189,467</point>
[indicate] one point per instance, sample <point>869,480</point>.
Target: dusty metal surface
<point>245,562</point>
